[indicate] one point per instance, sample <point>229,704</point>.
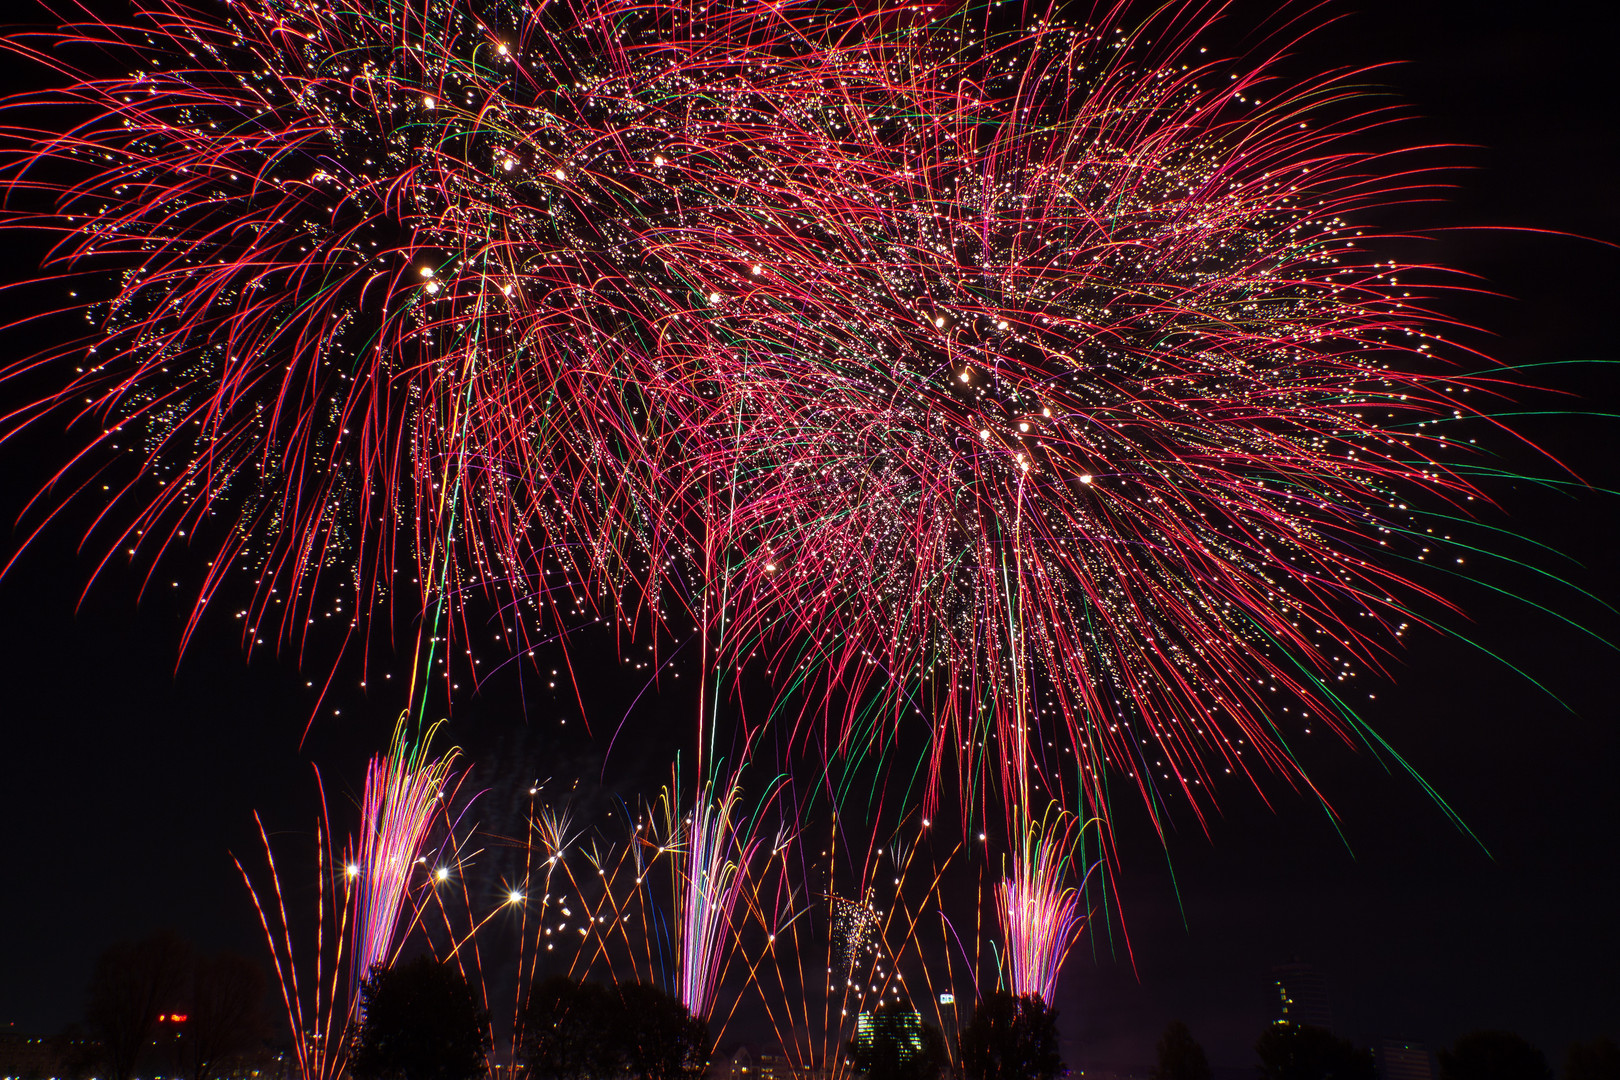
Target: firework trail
<point>1039,914</point>
<point>1037,388</point>
<point>714,843</point>
<point>585,904</point>
<point>320,1008</point>
<point>359,900</point>
<point>405,794</point>
<point>818,960</point>
<point>778,947</point>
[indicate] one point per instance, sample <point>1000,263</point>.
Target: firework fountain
<point>363,896</point>
<point>713,842</point>
<point>1039,913</point>
<point>405,794</point>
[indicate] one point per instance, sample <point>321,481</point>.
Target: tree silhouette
<point>662,1041</point>
<point>419,1021</point>
<point>899,1045</point>
<point>1011,1037</point>
<point>1596,1060</point>
<point>226,1015</point>
<point>584,1031</point>
<point>1303,1052</point>
<point>132,983</point>
<point>1180,1056</point>
<point>571,1030</point>
<point>1493,1055</point>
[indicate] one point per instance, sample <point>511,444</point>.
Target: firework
<point>767,925</point>
<point>405,793</point>
<point>586,905</point>
<point>1039,913</point>
<point>360,899</point>
<point>855,925</point>
<point>1037,389</point>
<point>714,842</point>
<point>320,1008</point>
<point>818,961</point>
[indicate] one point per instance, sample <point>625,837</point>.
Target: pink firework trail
<point>1039,913</point>
<point>358,903</point>
<point>713,843</point>
<point>405,794</point>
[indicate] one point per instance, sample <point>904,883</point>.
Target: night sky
<point>128,783</point>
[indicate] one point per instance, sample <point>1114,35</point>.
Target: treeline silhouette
<point>1302,1052</point>
<point>157,1006</point>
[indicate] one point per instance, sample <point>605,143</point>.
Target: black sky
<point>127,785</point>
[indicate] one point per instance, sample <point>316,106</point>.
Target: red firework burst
<point>1040,387</point>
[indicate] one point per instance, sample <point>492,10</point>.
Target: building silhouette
<point>1302,995</point>
<point>28,1057</point>
<point>734,1062</point>
<point>751,1061</point>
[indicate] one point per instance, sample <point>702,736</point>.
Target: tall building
<point>1302,995</point>
<point>1399,1059</point>
<point>901,1026</point>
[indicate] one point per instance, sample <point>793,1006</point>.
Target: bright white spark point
<point>714,298</point>
<point>964,376</point>
<point>1085,478</point>
<point>427,271</point>
<point>939,320</point>
<point>442,873</point>
<point>559,174</point>
<point>985,435</point>
<point>430,103</point>
<point>352,870</point>
<point>514,897</point>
